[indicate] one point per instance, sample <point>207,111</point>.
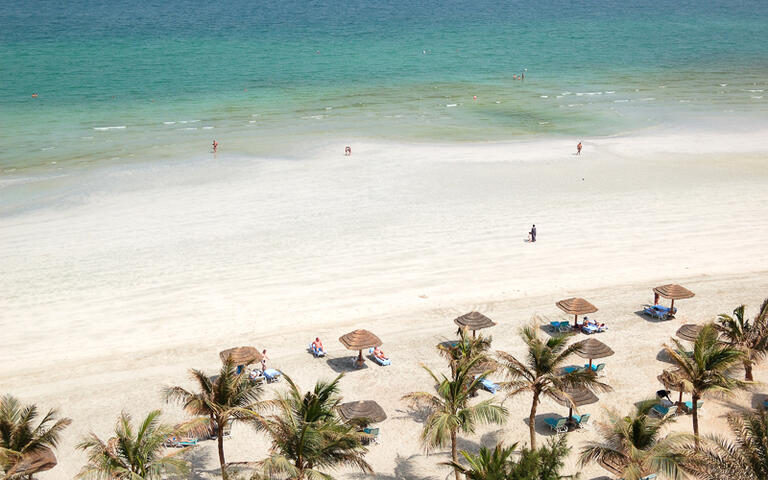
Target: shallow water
<point>118,81</point>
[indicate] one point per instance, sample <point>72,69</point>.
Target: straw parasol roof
<point>474,321</point>
<point>670,381</point>
<point>241,355</point>
<point>580,396</point>
<point>359,339</point>
<point>576,306</point>
<point>367,409</point>
<point>689,331</point>
<point>34,462</point>
<point>612,465</point>
<point>593,348</point>
<point>673,292</point>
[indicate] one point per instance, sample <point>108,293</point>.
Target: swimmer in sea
<point>215,146</point>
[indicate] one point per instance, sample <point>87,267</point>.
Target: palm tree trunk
<point>454,453</point>
<point>694,401</point>
<point>748,371</point>
<point>220,441</point>
<point>532,421</point>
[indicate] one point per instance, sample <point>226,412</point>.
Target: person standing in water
<point>215,146</point>
<point>578,149</point>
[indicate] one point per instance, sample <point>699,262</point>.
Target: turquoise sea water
<point>159,79</point>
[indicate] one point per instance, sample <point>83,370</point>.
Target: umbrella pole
<point>473,334</point>
<point>672,308</point>
<point>575,321</point>
<point>360,357</point>
<point>570,414</point>
<point>680,402</point>
<point>590,364</point>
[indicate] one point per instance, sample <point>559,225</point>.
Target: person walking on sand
<point>533,233</point>
<point>264,358</point>
<point>578,149</point>
<point>347,150</point>
<point>215,146</point>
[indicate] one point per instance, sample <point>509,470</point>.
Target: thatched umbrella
<point>576,307</point>
<point>241,355</point>
<point>612,465</point>
<point>358,340</point>
<point>367,409</point>
<point>474,321</point>
<point>593,348</point>
<point>671,292</point>
<point>689,332</point>
<point>576,397</point>
<point>33,462</point>
<point>671,382</point>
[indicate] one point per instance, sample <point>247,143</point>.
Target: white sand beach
<point>116,280</point>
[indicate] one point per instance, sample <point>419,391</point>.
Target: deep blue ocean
<point>85,81</point>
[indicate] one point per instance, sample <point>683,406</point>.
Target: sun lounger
<point>571,369</point>
<point>663,410</point>
<point>599,369</point>
<point>559,425</point>
<point>272,375</point>
<point>381,361</point>
<point>659,311</point>
<point>488,385</point>
<point>689,406</point>
<point>374,433</point>
<point>315,351</point>
<point>180,442</point>
<point>765,403</point>
<point>581,421</point>
<point>565,327</point>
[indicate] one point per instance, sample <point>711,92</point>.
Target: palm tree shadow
<point>405,469</point>
<point>198,458</point>
<point>418,414</point>
<point>344,364</point>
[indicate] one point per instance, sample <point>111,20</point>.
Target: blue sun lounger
<point>272,375</point>
<point>659,311</point>
<point>662,410</point>
<point>571,369</point>
<point>316,352</point>
<point>488,385</point>
<point>559,425</point>
<point>381,361</point>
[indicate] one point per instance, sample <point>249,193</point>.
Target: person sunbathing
<point>317,346</point>
<point>379,354</point>
<point>589,321</point>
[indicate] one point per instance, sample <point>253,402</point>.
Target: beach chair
<point>565,327</point>
<point>689,406</point>
<point>316,352</point>
<point>581,421</point>
<point>488,385</point>
<point>663,410</point>
<point>558,425</point>
<point>554,326</point>
<point>572,368</point>
<point>374,433</point>
<point>272,375</point>
<point>765,403</point>
<point>187,442</point>
<point>381,361</point>
<point>599,369</point>
<point>650,477</point>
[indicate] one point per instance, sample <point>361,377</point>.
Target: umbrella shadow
<point>541,427</point>
<point>758,400</point>
<point>345,364</point>
<point>663,356</point>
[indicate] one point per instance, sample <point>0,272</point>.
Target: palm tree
<point>465,349</point>
<point>707,370</point>
<point>634,444</point>
<point>308,436</point>
<point>745,458</point>
<point>487,464</point>
<point>542,464</point>
<point>133,453</point>
<point>18,435</point>
<point>225,398</point>
<point>749,337</point>
<point>540,373</point>
<point>450,411</point>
